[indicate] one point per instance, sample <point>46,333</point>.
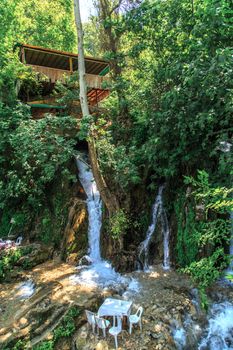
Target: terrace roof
<point>40,56</point>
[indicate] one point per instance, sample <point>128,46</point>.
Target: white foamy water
<point>219,334</point>
<point>26,289</point>
<point>94,207</point>
<point>187,335</point>
<point>99,273</point>
<point>157,212</point>
<point>166,235</point>
<point>179,336</point>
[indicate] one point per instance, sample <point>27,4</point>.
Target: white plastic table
<point>115,307</point>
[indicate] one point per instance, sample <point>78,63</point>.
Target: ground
<point>165,296</point>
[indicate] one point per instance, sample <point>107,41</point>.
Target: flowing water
<point>166,234</point>
<point>158,211</point>
<point>100,272</point>
<point>26,289</point>
<point>219,334</point>
<point>94,207</point>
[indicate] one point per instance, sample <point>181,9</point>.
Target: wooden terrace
<point>58,64</point>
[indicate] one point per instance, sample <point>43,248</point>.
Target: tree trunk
<point>108,198</point>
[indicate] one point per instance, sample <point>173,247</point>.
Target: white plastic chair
<point>115,330</point>
<point>136,318</point>
<point>91,319</point>
<point>102,324</point>
<point>18,240</point>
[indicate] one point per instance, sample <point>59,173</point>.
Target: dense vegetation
<point>169,118</point>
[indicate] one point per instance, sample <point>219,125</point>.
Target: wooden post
<point>23,55</point>
<point>71,64</point>
<point>96,97</point>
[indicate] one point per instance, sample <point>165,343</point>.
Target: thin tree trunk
<point>108,198</point>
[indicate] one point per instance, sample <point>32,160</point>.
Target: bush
<point>214,232</point>
<point>119,223</point>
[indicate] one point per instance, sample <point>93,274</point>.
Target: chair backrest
<point>90,316</point>
<point>19,240</point>
<point>101,322</point>
<point>139,311</point>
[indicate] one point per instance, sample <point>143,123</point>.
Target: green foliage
<point>218,199</point>
<point>20,345</point>
<point>187,233</point>
<point>32,154</point>
<point>206,271</point>
<point>9,258</point>
<point>178,86</point>
<point>85,125</point>
<point>45,345</point>
<point>214,232</point>
<point>118,223</point>
<point>26,21</point>
<point>119,160</point>
<point>65,329</point>
<point>53,217</point>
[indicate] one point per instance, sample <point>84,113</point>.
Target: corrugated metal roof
<point>40,56</point>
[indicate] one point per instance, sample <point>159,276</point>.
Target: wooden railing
<point>54,74</point>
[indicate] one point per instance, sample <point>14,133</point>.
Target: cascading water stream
<point>157,212</point>
<point>144,246</point>
<point>94,207</point>
<point>100,272</point>
<point>166,234</point>
<point>219,334</point>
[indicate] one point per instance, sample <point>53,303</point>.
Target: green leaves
<point>213,228</point>
<point>32,154</point>
<point>118,224</point>
<point>218,199</point>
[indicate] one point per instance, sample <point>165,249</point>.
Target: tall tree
<point>108,198</point>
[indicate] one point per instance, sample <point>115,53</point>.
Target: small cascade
<point>219,334</point>
<point>158,211</point>
<point>179,336</point>
<point>26,289</point>
<point>166,235</point>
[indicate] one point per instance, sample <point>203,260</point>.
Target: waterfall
<point>94,207</point>
<point>144,246</point>
<point>100,272</point>
<point>158,211</point>
<point>166,234</point>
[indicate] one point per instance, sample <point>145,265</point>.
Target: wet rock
<point>75,240</point>
<point>102,345</point>
<point>23,322</point>
<point>124,261</point>
<point>85,260</point>
<point>38,253</point>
